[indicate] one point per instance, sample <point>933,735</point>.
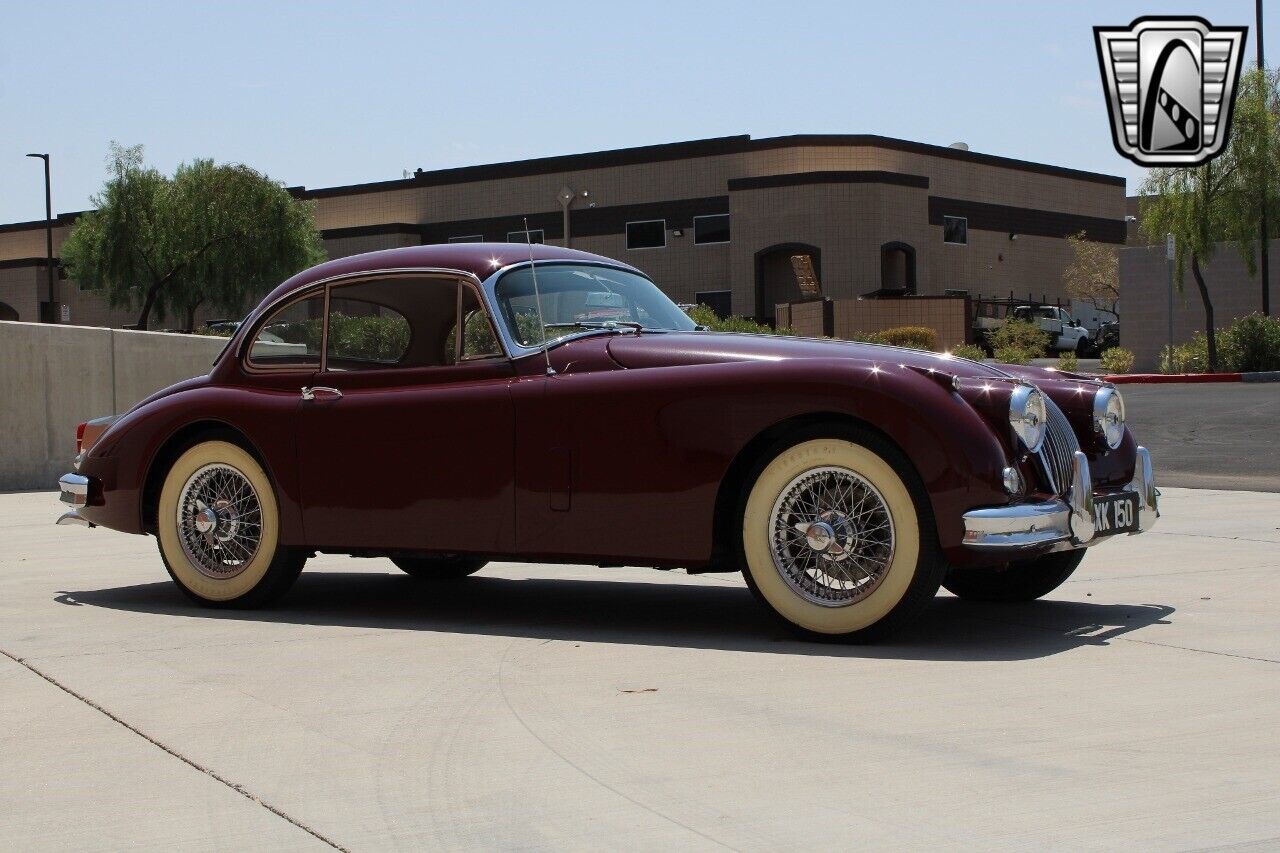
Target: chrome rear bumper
<point>1058,524</point>
<point>74,492</point>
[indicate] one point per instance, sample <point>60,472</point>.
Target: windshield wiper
<point>606,324</point>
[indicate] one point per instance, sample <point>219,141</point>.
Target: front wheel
<point>218,528</point>
<point>439,568</point>
<point>838,538</point>
<point>1025,580</point>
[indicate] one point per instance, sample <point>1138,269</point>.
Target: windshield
<point>576,297</point>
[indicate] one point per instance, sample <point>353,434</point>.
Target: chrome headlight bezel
<point>1108,416</point>
<point>1029,416</point>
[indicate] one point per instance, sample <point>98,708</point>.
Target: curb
<point>1190,378</point>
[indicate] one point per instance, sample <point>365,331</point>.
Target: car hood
<point>677,348</point>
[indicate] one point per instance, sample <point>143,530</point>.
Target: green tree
<point>1221,201</point>
<point>1094,272</point>
<point>212,234</point>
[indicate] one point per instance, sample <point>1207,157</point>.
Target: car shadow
<point>711,615</point>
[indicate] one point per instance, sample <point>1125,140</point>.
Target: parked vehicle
<point>444,406</point>
<point>1066,334</point>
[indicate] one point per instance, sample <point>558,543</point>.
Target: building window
<point>711,229</point>
<point>719,301</point>
<point>470,238</point>
<point>955,229</point>
<point>533,235</point>
<point>650,234</point>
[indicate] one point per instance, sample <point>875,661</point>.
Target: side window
<point>478,338</point>
<point>403,321</point>
<point>291,336</point>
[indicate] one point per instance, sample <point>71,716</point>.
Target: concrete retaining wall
<point>53,377</point>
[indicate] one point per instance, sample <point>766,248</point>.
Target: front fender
<point>122,458</point>
<point>959,458</point>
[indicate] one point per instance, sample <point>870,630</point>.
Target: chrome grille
<point>1058,450</point>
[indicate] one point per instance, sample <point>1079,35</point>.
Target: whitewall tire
<point>837,536</point>
<point>218,526</point>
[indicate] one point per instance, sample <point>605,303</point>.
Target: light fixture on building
<point>1012,236</point>
<point>677,232</point>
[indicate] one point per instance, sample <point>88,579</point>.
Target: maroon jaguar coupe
<point>444,406</point>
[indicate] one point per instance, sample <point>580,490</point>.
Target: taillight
<point>80,437</point>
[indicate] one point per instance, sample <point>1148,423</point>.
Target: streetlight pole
<point>1169,252</point>
<point>48,238</point>
<point>1262,221</point>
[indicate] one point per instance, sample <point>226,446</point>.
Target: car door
<point>405,437</point>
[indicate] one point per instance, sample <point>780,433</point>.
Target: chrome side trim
<point>74,489</point>
<point>75,518</point>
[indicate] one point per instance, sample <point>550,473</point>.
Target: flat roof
<point>713,147</point>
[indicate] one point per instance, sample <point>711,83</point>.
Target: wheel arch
<point>178,442</point>
<point>731,492</point>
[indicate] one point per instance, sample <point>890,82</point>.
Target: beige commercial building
<point>739,223</point>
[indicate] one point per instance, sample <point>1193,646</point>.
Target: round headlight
<point>1028,416</point>
<point>1108,416</point>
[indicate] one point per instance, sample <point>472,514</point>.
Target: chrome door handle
<point>309,393</point>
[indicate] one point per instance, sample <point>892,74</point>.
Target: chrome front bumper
<point>1058,524</point>
<point>75,492</point>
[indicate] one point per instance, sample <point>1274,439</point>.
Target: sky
<point>325,94</point>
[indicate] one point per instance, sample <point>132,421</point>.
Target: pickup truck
<point>1066,333</point>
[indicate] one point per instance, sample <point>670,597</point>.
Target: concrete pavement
<point>568,707</point>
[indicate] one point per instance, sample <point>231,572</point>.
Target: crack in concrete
<point>212,774</point>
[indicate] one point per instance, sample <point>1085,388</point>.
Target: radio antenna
<point>537,298</point>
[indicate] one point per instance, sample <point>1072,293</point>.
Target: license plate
<point>1117,513</point>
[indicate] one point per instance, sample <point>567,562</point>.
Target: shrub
<point>1249,344</point>
<point>1117,360</point>
<point>1254,344</point>
<point>1191,357</point>
<point>1014,355</point>
<point>911,337</point>
<point>1069,362</point>
<point>1021,335</point>
<point>969,351</point>
<point>704,316</point>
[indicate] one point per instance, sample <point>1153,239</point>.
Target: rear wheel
<point>1025,580</point>
<point>838,537</point>
<point>218,529</point>
<point>439,568</point>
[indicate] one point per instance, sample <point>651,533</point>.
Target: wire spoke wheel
<point>831,536</point>
<point>219,521</point>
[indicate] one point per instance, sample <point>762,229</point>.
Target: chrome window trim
<point>489,288</point>
<point>246,359</point>
<point>253,324</point>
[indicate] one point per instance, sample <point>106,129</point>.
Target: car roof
<point>478,259</point>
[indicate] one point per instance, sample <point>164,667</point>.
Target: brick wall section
<point>1144,289</point>
<point>806,318</point>
<point>22,289</point>
<point>944,316</point>
<point>848,223</point>
<point>854,317</point>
